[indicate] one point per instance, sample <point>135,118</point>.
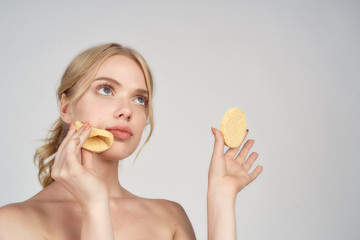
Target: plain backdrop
<point>291,66</point>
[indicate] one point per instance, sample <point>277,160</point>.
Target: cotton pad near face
<point>98,141</point>
<point>233,127</point>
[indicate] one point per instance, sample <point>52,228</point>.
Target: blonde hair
<point>86,64</point>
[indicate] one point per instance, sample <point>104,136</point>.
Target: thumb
<point>218,144</point>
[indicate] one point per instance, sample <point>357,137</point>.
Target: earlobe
<point>65,112</point>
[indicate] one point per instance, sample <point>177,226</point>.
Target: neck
<point>106,171</point>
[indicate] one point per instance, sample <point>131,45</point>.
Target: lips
<point>121,131</point>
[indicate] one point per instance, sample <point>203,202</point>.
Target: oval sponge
<point>98,141</point>
<point>233,127</point>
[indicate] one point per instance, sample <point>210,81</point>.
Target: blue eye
<point>141,100</point>
<point>104,90</point>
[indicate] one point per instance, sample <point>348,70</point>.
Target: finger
<point>256,173</point>
<point>70,133</point>
<point>231,152</point>
<point>81,130</point>
<point>83,157</point>
<point>63,158</point>
<point>250,161</point>
<point>71,152</point>
<point>83,136</point>
<point>218,144</point>
<point>218,152</point>
<point>244,151</point>
<point>68,156</point>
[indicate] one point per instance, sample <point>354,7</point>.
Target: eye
<point>141,100</point>
<point>104,89</point>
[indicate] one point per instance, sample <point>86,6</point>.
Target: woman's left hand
<point>229,172</point>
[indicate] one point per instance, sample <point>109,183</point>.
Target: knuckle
<point>54,174</point>
<point>68,151</point>
<point>63,175</point>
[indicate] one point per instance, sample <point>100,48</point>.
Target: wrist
<point>221,195</point>
<point>220,202</point>
<point>96,221</point>
<point>101,203</point>
<point>221,215</point>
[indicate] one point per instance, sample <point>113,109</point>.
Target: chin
<point>115,153</point>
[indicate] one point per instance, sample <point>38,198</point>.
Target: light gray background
<point>292,66</point>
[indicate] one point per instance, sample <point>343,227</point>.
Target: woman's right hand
<point>73,168</point>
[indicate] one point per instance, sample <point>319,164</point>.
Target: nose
<point>123,109</point>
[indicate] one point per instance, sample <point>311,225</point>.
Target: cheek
<point>141,117</point>
<point>89,110</point>
<point>138,123</point>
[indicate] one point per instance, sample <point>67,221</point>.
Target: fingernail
<point>71,126</point>
<point>213,131</point>
<point>87,125</point>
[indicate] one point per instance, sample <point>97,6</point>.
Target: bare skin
<point>54,214</point>
<point>86,201</point>
<point>228,175</point>
<point>48,215</point>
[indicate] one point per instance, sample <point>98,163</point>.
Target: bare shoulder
<point>176,215</point>
<point>20,221</point>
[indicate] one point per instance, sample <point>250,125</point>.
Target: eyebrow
<point>137,91</point>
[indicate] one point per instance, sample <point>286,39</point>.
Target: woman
<point>110,87</point>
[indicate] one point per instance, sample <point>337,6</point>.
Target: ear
<point>65,110</point>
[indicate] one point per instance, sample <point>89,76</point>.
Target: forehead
<point>124,70</point>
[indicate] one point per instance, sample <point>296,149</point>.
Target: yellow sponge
<point>233,127</point>
<point>98,141</point>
